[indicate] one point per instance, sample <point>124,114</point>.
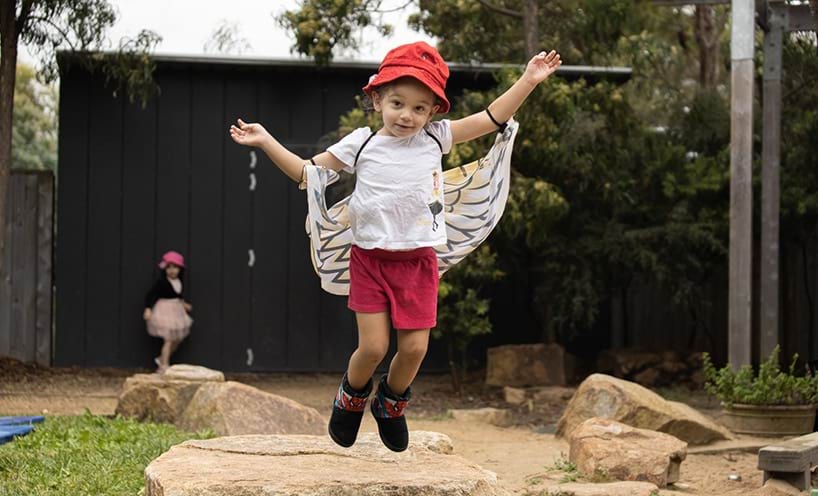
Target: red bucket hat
<point>417,60</point>
<point>172,257</point>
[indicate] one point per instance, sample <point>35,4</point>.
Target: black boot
<point>387,408</point>
<point>347,412</point>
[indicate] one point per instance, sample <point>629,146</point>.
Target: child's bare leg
<point>164,356</point>
<point>353,393</point>
<point>373,343</point>
<point>412,346</point>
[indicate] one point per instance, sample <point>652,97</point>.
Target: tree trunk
<point>531,28</point>
<point>8,65</point>
<point>707,36</point>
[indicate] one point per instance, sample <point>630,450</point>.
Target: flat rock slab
<point>290,465</point>
<point>606,489</point>
<point>193,373</point>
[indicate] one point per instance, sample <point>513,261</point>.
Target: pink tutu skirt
<point>169,320</point>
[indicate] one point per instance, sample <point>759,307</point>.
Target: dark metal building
<point>135,182</point>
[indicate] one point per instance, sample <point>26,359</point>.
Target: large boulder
<point>529,365</point>
<point>622,452</point>
<point>313,466</point>
<point>155,398</point>
<point>611,398</point>
<point>163,397</point>
<point>231,408</point>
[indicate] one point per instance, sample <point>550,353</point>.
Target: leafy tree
<point>45,26</point>
<point>34,133</point>
<point>619,185</point>
<point>799,152</point>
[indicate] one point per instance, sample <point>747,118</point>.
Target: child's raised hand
<point>541,66</point>
<point>248,134</point>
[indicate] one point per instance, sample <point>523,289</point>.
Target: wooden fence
<point>26,276</point>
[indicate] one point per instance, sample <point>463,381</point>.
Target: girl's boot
<point>347,411</point>
<point>387,408</point>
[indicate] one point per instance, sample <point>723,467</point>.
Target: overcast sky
<point>186,25</point>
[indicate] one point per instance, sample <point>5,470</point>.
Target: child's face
<point>406,105</point>
<point>172,271</point>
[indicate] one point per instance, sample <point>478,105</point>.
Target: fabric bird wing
<point>329,232</point>
<point>475,197</point>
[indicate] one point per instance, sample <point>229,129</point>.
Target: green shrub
<point>771,386</point>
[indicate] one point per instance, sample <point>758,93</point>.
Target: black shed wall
<point>135,182</point>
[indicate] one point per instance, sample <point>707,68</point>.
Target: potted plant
<point>773,402</point>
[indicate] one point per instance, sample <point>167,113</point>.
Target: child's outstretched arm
<point>290,164</point>
<point>473,126</point>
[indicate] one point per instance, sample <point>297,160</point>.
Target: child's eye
<point>420,109</point>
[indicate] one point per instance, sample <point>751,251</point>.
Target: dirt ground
<point>523,455</point>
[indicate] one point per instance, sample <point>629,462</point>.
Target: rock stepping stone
<point>290,465</point>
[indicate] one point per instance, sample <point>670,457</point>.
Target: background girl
<point>166,311</point>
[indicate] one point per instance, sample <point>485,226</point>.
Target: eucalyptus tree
<point>46,26</point>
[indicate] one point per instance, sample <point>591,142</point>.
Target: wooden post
<point>770,182</point>
<point>44,258</point>
<point>739,338</point>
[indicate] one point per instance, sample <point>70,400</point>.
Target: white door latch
<point>251,258</point>
<point>252,182</point>
<point>253,159</point>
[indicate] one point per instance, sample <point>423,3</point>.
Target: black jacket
<point>161,289</point>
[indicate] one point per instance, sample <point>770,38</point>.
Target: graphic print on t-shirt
<point>435,206</point>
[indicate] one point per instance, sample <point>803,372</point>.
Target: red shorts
<point>401,282</point>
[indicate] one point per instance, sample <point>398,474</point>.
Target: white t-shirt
<point>398,199</point>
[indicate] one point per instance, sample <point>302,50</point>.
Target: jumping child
<point>396,219</point>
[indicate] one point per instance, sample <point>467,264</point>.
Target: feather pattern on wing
<point>475,197</point>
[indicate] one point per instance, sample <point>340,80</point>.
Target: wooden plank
<point>304,303</point>
<point>23,267</point>
<point>794,455</point>
<point>104,223</point>
<point>139,162</point>
<point>270,215</point>
<point>45,258</point>
<point>5,277</point>
<point>206,219</point>
<point>72,201</point>
<point>173,164</point>
<point>240,100</point>
<point>770,184</point>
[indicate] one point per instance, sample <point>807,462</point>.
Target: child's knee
<point>373,352</point>
<point>413,350</point>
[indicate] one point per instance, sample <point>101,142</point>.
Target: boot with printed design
<point>347,412</point>
<point>387,408</point>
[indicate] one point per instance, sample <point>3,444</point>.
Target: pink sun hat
<point>172,257</point>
